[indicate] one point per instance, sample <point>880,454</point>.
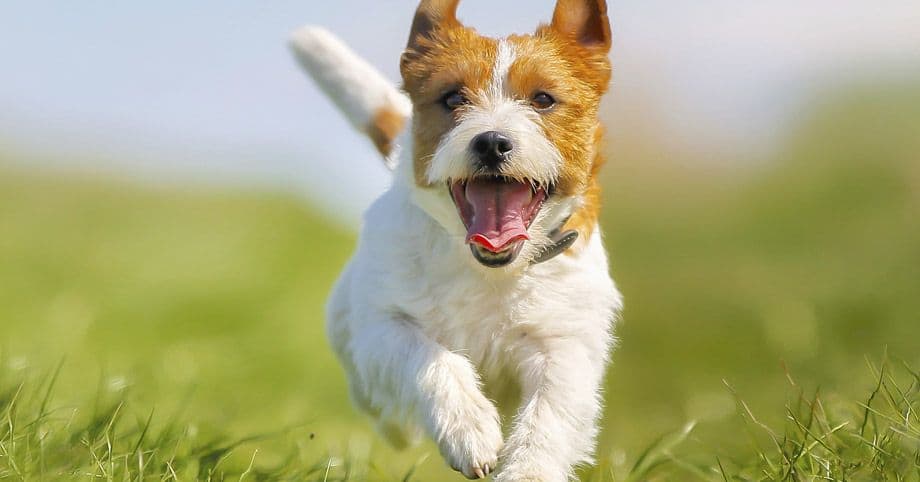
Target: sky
<point>206,91</point>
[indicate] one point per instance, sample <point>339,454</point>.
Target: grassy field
<point>165,334</point>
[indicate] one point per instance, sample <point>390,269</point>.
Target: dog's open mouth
<point>497,212</point>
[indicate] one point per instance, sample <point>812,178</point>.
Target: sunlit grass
<point>877,438</point>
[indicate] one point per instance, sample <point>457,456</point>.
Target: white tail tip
<point>371,102</point>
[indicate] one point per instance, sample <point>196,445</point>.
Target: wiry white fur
<point>534,157</point>
<point>358,89</point>
<point>425,332</point>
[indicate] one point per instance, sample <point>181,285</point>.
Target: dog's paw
<point>472,447</point>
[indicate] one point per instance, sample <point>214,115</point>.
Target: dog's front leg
<point>555,427</point>
<point>403,368</point>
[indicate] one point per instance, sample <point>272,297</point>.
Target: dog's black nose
<point>491,148</point>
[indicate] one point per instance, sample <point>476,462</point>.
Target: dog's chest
<point>480,316</point>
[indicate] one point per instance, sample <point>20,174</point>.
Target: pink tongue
<point>498,213</point>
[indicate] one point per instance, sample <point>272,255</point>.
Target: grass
<point>105,442</point>
<point>176,334</point>
<point>876,439</point>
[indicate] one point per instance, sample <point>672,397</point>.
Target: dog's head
<point>507,130</point>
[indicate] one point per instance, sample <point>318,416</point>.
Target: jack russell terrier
<point>480,282</point>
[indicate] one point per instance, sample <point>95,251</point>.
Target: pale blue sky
<point>207,90</point>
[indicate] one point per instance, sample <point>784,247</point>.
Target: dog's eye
<point>542,101</point>
<point>453,100</point>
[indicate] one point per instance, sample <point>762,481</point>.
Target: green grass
<point>187,323</point>
<point>877,439</point>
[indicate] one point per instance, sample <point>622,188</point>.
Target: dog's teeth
<point>479,473</point>
<point>486,469</point>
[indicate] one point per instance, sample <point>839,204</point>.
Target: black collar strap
<point>562,240</point>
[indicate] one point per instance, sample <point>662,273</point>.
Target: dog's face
<point>507,130</point>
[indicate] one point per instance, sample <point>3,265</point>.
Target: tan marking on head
<point>576,79</point>
<point>384,128</point>
<point>449,58</point>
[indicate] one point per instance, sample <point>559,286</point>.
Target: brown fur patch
<point>584,219</point>
<point>451,57</point>
<point>384,128</point>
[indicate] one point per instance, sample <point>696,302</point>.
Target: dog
<point>480,284</point>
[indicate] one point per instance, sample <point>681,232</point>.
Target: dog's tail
<point>371,103</point>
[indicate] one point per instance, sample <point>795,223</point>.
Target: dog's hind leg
<point>400,434</point>
<point>338,331</point>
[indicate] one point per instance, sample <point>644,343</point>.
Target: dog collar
<point>562,240</point>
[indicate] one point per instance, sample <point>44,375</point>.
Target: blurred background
<point>176,199</point>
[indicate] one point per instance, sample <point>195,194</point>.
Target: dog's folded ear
<point>431,15</point>
<point>583,21</point>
